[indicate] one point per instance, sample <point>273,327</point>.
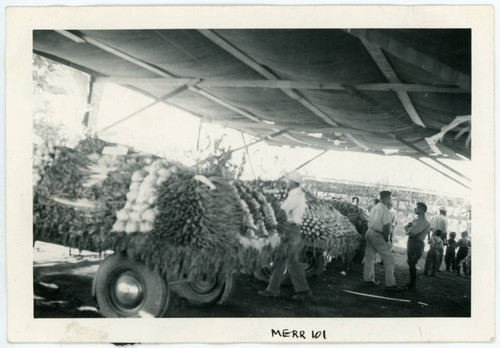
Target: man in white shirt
<point>287,257</point>
<point>440,223</point>
<point>377,241</point>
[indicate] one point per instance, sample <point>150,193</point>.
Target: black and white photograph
<point>254,172</point>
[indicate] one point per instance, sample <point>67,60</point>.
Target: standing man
<point>416,231</point>
<point>440,222</point>
<point>287,256</point>
<point>377,241</point>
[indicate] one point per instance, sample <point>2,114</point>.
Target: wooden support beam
<point>162,73</point>
<point>386,68</point>
<point>225,104</point>
<point>93,102</point>
<point>418,150</point>
<point>414,57</point>
<point>118,53</point>
<point>230,48</point>
<point>305,163</point>
<point>283,84</point>
<point>144,108</point>
<point>441,172</point>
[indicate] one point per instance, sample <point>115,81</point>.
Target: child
<point>432,259</point>
<point>463,250</point>
<point>449,258</point>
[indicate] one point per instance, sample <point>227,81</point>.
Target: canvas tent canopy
<point>347,90</point>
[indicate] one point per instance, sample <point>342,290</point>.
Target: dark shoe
<point>302,295</point>
<point>425,274</point>
<point>371,283</point>
<point>267,293</point>
<point>393,288</point>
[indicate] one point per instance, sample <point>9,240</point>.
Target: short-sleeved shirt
<point>439,222</point>
<point>420,228</point>
<point>295,205</point>
<point>379,216</point>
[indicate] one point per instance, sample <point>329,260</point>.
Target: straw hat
<point>295,176</point>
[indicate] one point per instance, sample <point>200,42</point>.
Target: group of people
<point>380,226</point>
<point>377,240</point>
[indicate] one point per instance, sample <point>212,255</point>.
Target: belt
<point>376,231</point>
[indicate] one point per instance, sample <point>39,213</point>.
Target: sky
<point>172,133</point>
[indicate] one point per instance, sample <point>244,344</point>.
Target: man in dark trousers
<point>288,252</point>
<point>416,231</point>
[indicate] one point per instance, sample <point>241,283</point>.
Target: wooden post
<point>96,89</point>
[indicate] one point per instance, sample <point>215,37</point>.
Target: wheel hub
<point>203,286</point>
<point>129,291</point>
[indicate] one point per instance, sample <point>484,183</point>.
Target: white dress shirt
<point>379,216</point>
<point>294,205</point>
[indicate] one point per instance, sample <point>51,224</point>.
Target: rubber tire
<point>315,261</point>
<point>196,295</point>
<point>156,294</point>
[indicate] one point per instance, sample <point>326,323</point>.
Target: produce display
<point>323,226</point>
<point>355,214</point>
<point>44,154</point>
<point>186,225</point>
<point>75,200</point>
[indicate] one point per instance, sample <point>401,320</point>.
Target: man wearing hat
<point>440,222</point>
<point>287,257</point>
<point>377,241</point>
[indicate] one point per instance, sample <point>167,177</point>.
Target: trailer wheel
<point>314,262</point>
<point>206,291</point>
<point>126,288</point>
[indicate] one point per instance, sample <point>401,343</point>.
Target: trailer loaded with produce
<point>169,226</point>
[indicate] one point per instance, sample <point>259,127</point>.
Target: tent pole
<point>413,147</point>
<point>199,135</point>
<point>267,137</point>
<point>306,162</point>
<point>443,173</point>
<point>135,113</point>
<point>248,155</point>
<point>96,88</point>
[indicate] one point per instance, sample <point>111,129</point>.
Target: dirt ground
<point>63,290</point>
